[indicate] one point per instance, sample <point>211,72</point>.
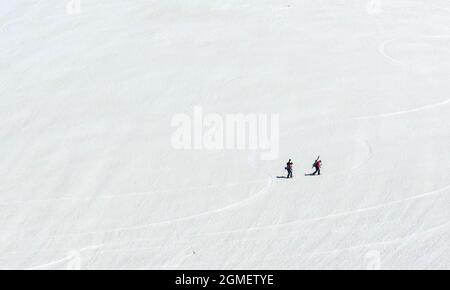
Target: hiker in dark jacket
<point>289,166</point>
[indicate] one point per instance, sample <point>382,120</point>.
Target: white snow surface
<point>89,178</point>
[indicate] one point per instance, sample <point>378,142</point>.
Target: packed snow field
<point>90,179</point>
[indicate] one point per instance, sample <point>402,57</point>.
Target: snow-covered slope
<point>89,178</point>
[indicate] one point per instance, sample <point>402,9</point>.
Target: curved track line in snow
<point>50,264</point>
<point>370,155</point>
<point>366,245</point>
<point>331,216</point>
<point>403,112</point>
<point>65,259</point>
<point>182,246</point>
<point>269,182</point>
<point>382,51</point>
<point>126,195</point>
<point>264,190</point>
<point>382,47</point>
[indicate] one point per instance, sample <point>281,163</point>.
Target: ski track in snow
<point>385,115</point>
<point>382,51</point>
<point>63,260</point>
<point>337,215</point>
<point>269,180</point>
<point>405,239</point>
<point>263,191</point>
<point>127,195</point>
<point>384,44</point>
<point>275,226</point>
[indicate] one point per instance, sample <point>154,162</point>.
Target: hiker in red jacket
<point>317,165</point>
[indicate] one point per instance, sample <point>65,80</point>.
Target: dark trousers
<point>289,173</point>
<point>317,170</point>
